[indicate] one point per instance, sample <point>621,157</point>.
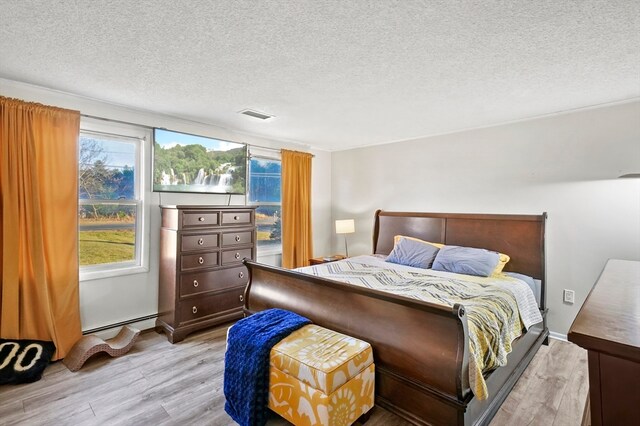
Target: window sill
<point>90,275</point>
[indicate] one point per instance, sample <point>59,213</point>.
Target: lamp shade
<point>346,226</point>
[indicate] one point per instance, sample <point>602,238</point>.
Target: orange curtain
<point>297,245</point>
<point>39,229</point>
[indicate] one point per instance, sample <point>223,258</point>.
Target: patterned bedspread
<point>494,320</point>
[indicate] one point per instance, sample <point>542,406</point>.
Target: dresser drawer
<point>199,307</point>
<point>236,218</point>
<point>191,219</point>
<point>198,261</point>
<point>220,279</point>
<point>236,238</point>
<point>198,241</point>
<point>233,256</point>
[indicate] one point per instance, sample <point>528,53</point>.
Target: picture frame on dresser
<point>202,277</point>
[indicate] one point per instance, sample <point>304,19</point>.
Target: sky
<point>169,139</point>
<point>118,153</point>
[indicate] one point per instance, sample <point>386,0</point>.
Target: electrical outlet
<point>569,296</point>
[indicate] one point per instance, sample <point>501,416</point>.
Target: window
<point>110,204</point>
<point>264,190</point>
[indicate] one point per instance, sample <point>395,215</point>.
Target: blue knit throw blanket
<point>246,362</point>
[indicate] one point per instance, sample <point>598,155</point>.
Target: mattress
<point>498,308</point>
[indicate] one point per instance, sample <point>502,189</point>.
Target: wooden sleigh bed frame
<point>421,349</point>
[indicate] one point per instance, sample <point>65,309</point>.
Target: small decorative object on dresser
<point>321,260</point>
<point>202,278</point>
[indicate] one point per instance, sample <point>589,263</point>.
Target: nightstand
<point>321,260</point>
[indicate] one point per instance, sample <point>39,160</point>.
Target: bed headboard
<point>519,236</point>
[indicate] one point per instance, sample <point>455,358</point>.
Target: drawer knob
<point>200,242</point>
<point>196,283</point>
<point>201,219</point>
<point>241,275</point>
<point>194,310</point>
<point>241,298</point>
<point>200,260</point>
<point>237,256</point>
<point>237,238</point>
<point>236,218</point>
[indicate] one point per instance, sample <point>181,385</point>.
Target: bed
<point>421,349</point>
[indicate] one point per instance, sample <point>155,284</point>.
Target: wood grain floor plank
<point>547,387</point>
<point>10,407</point>
<point>199,408</point>
<point>136,412</point>
<point>72,390</point>
<point>51,415</point>
<point>65,383</point>
<point>572,405</point>
<point>521,389</point>
<point>158,383</point>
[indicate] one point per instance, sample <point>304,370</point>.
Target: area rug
<point>23,361</point>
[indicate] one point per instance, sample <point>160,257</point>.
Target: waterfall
<point>220,183</point>
<point>225,180</point>
<point>165,179</point>
<point>199,180</point>
<point>168,178</point>
<point>217,182</point>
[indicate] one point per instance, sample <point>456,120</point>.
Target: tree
<point>276,233</point>
<point>91,152</point>
<point>92,172</point>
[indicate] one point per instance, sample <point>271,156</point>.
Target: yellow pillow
<point>501,262</point>
<point>439,245</point>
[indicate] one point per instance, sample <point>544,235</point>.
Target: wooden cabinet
<point>607,327</point>
<point>202,278</point>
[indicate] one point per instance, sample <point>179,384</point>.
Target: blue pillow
<point>413,253</point>
<point>466,260</point>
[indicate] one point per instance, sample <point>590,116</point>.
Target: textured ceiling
<point>336,74</point>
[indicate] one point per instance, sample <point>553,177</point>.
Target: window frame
<point>275,156</point>
<point>139,137</point>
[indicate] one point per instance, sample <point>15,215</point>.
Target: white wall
<point>112,300</point>
<point>565,165</point>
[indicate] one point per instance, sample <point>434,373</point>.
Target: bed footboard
<point>420,348</point>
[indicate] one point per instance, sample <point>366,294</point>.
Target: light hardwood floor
<point>158,383</point>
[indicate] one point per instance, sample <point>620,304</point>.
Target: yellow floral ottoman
<point>320,377</point>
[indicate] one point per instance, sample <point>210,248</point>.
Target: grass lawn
<point>107,246</point>
<point>264,235</point>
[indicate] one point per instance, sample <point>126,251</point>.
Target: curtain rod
<point>144,126</point>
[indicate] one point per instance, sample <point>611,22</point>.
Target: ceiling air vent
<point>256,114</point>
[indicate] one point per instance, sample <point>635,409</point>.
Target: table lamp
<point>346,226</point>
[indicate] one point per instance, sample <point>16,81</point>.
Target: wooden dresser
<point>202,278</point>
<point>608,326</point>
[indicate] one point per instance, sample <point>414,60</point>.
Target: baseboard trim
<point>558,336</point>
